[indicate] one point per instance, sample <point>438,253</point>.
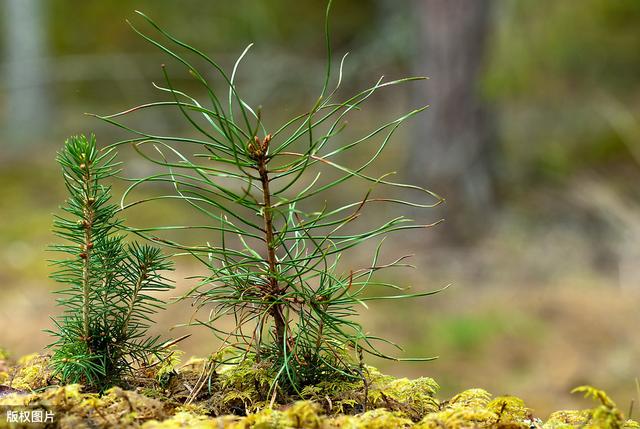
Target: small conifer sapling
<point>108,300</point>
<point>274,267</point>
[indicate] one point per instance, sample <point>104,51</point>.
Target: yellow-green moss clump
<point>74,409</point>
<point>200,394</point>
<point>605,415</point>
<point>31,372</point>
<point>475,408</point>
<point>4,366</point>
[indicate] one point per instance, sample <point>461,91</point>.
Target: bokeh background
<point>533,137</point>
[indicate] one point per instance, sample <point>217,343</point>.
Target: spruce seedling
<point>107,302</point>
<point>275,267</point>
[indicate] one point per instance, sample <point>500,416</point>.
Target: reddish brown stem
<point>260,156</point>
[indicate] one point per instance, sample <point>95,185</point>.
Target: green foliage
<point>107,300</point>
<point>276,268</point>
<point>548,92</point>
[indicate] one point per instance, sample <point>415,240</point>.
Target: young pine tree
<point>107,301</point>
<point>267,192</point>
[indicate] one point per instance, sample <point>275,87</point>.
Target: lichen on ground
<point>200,393</point>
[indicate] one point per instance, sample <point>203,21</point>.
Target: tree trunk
<point>453,151</point>
<point>26,71</point>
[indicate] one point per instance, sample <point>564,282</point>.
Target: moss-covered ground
<point>198,393</point>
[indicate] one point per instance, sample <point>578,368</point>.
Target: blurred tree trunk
<point>26,71</point>
<point>452,152</point>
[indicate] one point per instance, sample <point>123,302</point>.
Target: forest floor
<point>197,394</point>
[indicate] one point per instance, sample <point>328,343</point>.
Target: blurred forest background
<point>533,137</point>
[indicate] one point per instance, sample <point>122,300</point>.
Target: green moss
<point>32,372</point>
<point>116,408</point>
<point>183,420</point>
<point>509,409</point>
<point>472,398</point>
<point>382,402</point>
<point>4,366</point>
<point>167,367</point>
<point>374,419</point>
<point>415,398</point>
<point>302,414</point>
<point>337,397</point>
<point>246,386</point>
<point>567,418</point>
<point>458,418</point>
<point>606,415</point>
<point>195,409</point>
<point>474,408</point>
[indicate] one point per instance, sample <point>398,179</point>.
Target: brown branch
<point>258,151</point>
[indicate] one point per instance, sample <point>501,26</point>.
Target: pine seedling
<point>107,300</point>
<point>275,266</point>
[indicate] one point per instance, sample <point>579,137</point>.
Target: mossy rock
<point>199,394</point>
